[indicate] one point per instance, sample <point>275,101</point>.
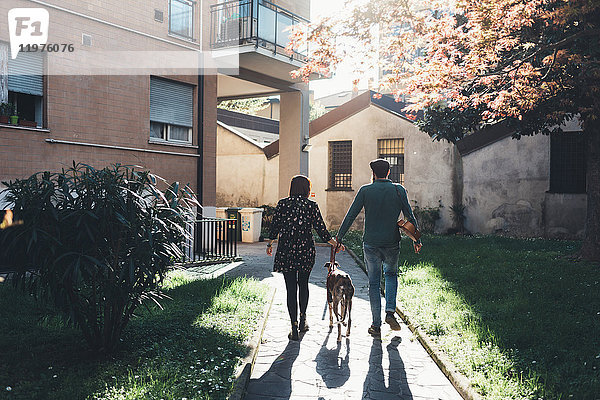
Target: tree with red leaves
<point>529,64</point>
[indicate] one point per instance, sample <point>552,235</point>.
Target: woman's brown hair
<point>300,186</point>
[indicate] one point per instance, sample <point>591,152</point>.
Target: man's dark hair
<point>300,186</point>
<point>380,167</point>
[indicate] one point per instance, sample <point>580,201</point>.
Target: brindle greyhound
<point>339,291</point>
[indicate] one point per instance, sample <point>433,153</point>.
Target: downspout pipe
<point>200,158</point>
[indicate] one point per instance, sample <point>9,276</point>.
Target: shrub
<point>458,216</point>
<point>267,219</point>
<point>96,243</point>
<point>426,217</point>
<point>7,109</point>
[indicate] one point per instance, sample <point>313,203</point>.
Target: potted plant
<point>6,111</point>
<point>14,118</point>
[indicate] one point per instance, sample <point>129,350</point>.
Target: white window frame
<point>6,94</point>
<point>167,138</point>
<point>191,4</point>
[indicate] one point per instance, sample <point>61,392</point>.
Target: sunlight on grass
<point>444,315</point>
<point>516,317</point>
<point>189,349</point>
<point>242,298</point>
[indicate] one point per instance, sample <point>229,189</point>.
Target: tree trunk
<point>590,250</point>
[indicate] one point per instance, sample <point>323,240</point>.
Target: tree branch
<point>554,46</point>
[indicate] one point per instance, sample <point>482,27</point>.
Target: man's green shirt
<point>383,201</point>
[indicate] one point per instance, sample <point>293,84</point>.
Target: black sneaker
<point>391,321</point>
<point>293,335</point>
<point>303,326</point>
<point>374,331</point>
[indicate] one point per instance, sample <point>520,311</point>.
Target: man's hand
<point>337,245</point>
<point>417,247</point>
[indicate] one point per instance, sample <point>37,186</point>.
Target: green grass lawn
<point>188,350</point>
<point>515,316</point>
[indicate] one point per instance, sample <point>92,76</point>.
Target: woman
<point>293,221</point>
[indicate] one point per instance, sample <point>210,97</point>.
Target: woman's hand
<point>270,248</point>
<point>334,243</point>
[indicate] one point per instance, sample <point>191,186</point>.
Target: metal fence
<point>257,22</point>
<point>212,240</point>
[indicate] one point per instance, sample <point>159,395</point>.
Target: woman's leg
<point>291,284</point>
<point>303,290</point>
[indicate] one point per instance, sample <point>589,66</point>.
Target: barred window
<point>340,165</point>
<point>392,150</point>
<point>567,163</point>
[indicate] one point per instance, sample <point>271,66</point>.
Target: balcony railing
<point>257,22</point>
<point>212,240</point>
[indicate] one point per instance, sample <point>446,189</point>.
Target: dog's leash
<point>332,256</point>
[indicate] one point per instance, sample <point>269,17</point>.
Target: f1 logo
<point>27,26</point>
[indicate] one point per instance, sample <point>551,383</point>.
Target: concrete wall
<point>293,127</point>
<point>245,177</point>
<point>428,165</point>
<point>271,112</point>
<point>505,185</point>
<point>564,215</point>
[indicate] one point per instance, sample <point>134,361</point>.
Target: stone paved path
<point>317,367</point>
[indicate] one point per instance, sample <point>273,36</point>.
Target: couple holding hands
<point>296,216</point>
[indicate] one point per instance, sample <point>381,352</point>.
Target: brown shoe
<point>374,331</point>
<point>391,321</point>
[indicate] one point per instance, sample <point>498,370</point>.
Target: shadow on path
<point>334,370</point>
<point>375,386</point>
<point>276,383</point>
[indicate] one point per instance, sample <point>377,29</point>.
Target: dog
<point>340,290</point>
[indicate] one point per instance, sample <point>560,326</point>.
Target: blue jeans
<point>375,259</point>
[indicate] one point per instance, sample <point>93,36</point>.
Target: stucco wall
<point>564,215</point>
<point>245,178</point>
<point>428,165</point>
<point>505,185</point>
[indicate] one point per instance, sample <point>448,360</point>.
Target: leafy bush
<point>458,216</point>
<point>7,109</point>
<point>426,217</point>
<point>96,243</point>
<point>267,219</point>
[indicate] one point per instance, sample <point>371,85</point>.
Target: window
<point>340,165</point>
<point>181,18</point>
<point>567,163</point>
<point>24,86</point>
<point>392,150</point>
<point>171,111</point>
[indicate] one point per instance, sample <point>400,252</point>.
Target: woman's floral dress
<point>294,219</point>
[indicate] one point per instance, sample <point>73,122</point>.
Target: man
<point>383,201</point>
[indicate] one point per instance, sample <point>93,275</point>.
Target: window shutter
<point>171,102</point>
<point>25,74</point>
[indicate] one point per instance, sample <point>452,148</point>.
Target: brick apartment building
<point>123,111</point>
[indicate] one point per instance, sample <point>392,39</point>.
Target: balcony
<point>256,27</point>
